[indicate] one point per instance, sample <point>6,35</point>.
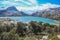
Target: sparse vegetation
<point>32,31</point>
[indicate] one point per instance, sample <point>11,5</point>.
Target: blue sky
<point>5,3</point>
<point>30,5</point>
<point>49,1</point>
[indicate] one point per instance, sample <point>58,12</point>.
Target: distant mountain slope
<point>52,13</point>
<point>11,11</point>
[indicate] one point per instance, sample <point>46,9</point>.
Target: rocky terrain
<point>51,13</point>
<point>11,11</point>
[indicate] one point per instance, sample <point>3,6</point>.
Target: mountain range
<point>11,11</point>
<point>53,13</point>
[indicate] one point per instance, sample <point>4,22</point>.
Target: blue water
<point>30,18</point>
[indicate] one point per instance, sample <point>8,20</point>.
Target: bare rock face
<point>11,11</point>
<point>52,13</point>
<point>4,21</point>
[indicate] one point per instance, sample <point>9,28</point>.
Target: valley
<point>51,13</point>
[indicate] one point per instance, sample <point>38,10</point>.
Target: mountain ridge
<point>11,11</point>
<point>51,13</point>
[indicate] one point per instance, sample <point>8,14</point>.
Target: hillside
<point>51,13</point>
<point>11,11</point>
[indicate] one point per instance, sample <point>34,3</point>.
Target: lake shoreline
<point>32,18</point>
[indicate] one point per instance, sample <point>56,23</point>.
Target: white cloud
<point>33,2</point>
<point>21,6</point>
<point>6,2</point>
<point>41,7</point>
<point>49,5</point>
<point>16,2</point>
<point>28,3</point>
